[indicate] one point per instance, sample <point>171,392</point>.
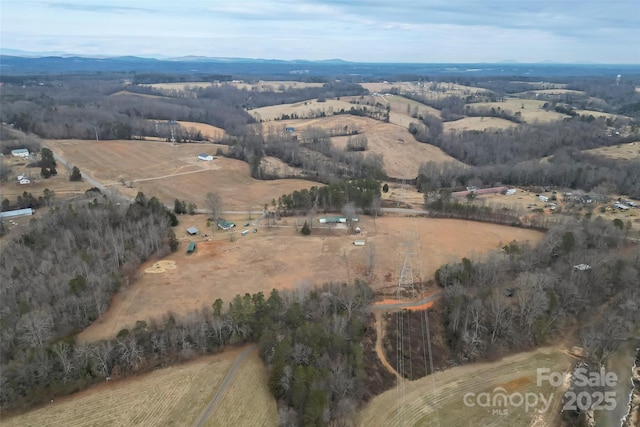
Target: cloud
<point>98,8</point>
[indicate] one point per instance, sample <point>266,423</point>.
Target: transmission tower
<point>405,279</point>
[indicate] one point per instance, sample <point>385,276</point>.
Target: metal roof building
<point>17,212</point>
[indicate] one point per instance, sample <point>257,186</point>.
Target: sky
<point>409,31</point>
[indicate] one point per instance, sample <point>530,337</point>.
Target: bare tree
<point>213,202</point>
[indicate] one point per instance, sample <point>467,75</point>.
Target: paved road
<point>211,407</point>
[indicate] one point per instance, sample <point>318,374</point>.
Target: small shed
<point>20,152</point>
<point>193,231</point>
<point>359,242</point>
<point>206,157</point>
<point>191,248</point>
<point>245,232</point>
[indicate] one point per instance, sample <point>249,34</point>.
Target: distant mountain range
<point>16,62</point>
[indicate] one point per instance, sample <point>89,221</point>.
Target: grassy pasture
<point>302,109</point>
<point>531,112</point>
<point>179,86</point>
<point>212,133</point>
<point>141,95</point>
<point>274,85</point>
<point>171,396</point>
<point>281,258</point>
<point>628,151</point>
<point>168,172</point>
<point>247,402</point>
<point>439,399</point>
<point>402,154</point>
<point>477,123</point>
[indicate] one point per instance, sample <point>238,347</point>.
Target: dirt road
<point>215,400</point>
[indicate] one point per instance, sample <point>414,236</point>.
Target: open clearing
<point>141,95</point>
<point>282,258</point>
<point>402,155</point>
<point>303,109</point>
<point>247,402</point>
<point>210,132</point>
<point>477,123</point>
<point>531,112</point>
<point>628,151</point>
<point>181,86</point>
<point>271,85</point>
<point>171,396</point>
<point>439,399</point>
<point>168,172</point>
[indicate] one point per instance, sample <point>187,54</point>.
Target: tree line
<point>59,276</point>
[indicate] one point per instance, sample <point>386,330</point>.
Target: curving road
<point>215,400</point>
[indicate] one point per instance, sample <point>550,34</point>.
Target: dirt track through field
<point>211,406</point>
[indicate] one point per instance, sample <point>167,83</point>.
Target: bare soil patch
<point>282,258</point>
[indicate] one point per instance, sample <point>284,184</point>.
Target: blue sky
<point>567,31</point>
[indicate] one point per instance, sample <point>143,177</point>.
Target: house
<point>24,181</point>
<point>206,157</point>
<point>193,231</point>
<point>20,152</point>
<point>225,225</point>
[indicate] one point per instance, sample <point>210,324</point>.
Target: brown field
<point>171,396</point>
<point>302,109</point>
<point>438,400</point>
<point>274,165</point>
<point>597,114</point>
<point>142,95</point>
<point>559,92</point>
<point>269,85</point>
<point>212,133</point>
<point>402,154</point>
<point>248,401</point>
<point>59,183</point>
<point>181,86</point>
<point>168,172</point>
<point>477,123</point>
<point>531,112</point>
<point>628,151</point>
<point>282,258</point>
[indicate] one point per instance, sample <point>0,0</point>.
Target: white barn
<point>205,157</point>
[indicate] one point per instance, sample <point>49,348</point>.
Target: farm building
<point>16,212</point>
<point>332,220</point>
<point>621,206</point>
<point>206,157</point>
<point>24,181</point>
<point>478,192</point>
<point>225,225</point>
<point>359,242</point>
<point>20,152</point>
<point>510,192</point>
<point>543,198</point>
<point>193,231</point>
